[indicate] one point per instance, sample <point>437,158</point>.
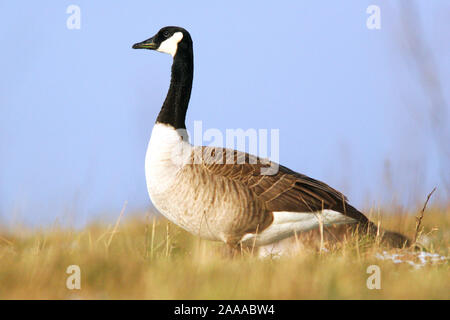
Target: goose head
<point>168,40</point>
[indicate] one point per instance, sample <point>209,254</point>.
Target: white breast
<point>166,155</point>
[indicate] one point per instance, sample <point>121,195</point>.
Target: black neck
<point>173,111</point>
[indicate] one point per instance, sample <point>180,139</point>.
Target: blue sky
<point>77,106</point>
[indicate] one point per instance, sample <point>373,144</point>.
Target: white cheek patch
<point>170,45</point>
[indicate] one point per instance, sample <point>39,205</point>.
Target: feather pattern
<point>225,201</point>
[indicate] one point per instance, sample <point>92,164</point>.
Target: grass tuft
<point>149,258</point>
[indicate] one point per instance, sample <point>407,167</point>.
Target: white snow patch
<point>414,259</point>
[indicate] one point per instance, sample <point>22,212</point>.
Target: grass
<point>146,258</point>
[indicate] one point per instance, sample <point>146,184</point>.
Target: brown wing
<point>286,190</point>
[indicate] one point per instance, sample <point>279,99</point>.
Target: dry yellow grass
<point>146,260</point>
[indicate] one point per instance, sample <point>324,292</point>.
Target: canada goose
<point>234,203</point>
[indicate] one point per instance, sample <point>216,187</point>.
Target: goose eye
<point>166,34</point>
